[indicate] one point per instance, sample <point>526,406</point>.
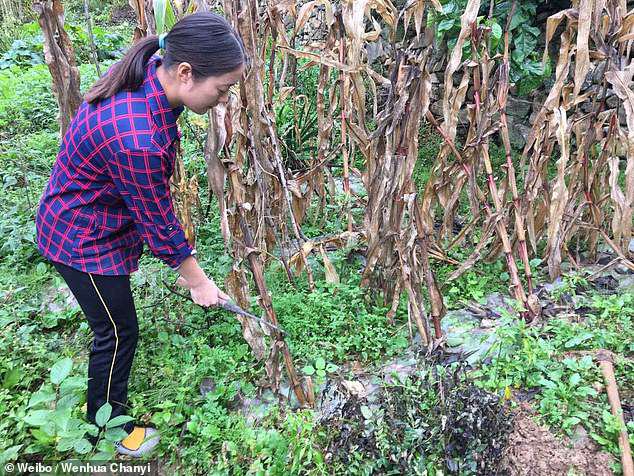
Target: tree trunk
<point>60,58</point>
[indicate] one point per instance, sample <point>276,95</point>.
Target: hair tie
<point>162,40</point>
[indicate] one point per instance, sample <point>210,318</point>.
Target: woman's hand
<point>206,293</point>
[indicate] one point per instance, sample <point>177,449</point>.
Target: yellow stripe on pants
<point>116,337</point>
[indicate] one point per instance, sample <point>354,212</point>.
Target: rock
<point>598,74</point>
<point>613,102</point>
<point>518,132</point>
<point>496,302</point>
<point>436,108</point>
<point>397,369</point>
<point>487,323</point>
<point>580,437</point>
<point>455,341</point>
<point>605,283</point>
<point>622,269</point>
<point>58,298</point>
<point>457,319</point>
<point>627,284</point>
<point>355,388</point>
<point>207,385</point>
<point>520,108</point>
<point>586,107</point>
<point>374,50</point>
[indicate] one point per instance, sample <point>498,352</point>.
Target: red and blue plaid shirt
<point>109,189</point>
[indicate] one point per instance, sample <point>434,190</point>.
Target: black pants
<point>108,305</point>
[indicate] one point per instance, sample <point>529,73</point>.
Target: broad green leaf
<point>105,446</point>
<point>547,383</point>
<point>523,45</point>
<point>11,378</point>
<point>61,417</point>
<point>82,446</point>
<point>170,17</point>
<point>568,422</point>
<point>103,414</point>
<point>42,437</point>
<point>38,417</point>
<point>535,262</point>
<point>10,454</point>
<point>159,15</point>
<point>164,16</point>
<point>308,370</point>
<point>496,31</point>
<point>366,412</point>
<point>68,401</point>
<point>49,428</point>
<point>599,439</point>
<point>320,363</point>
<point>91,429</point>
<point>43,395</point>
<point>73,383</point>
<point>115,434</point>
<point>119,420</point>
<point>60,370</point>
<point>446,25</point>
<point>574,379</point>
<point>65,444</point>
<point>518,19</point>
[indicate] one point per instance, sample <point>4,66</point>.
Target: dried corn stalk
<point>258,193</point>
<point>590,136</point>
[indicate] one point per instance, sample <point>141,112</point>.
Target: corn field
<point>570,189</point>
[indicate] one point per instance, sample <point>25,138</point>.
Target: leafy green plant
<point>23,53</point>
<point>27,51</point>
<point>571,284</point>
<point>319,368</point>
<point>542,362</point>
<point>296,119</point>
<point>527,70</point>
<point>51,412</point>
<point>336,322</point>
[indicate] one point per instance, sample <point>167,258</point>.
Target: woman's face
<point>202,94</point>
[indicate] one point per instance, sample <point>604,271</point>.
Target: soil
<point>534,451</point>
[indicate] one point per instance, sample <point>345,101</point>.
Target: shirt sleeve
<point>142,179</point>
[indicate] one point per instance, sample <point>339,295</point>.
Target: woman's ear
<point>184,72</point>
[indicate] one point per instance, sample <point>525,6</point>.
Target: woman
<point>109,193</point>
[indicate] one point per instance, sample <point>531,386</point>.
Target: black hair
<point>205,40</point>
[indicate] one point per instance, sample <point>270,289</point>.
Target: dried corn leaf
<point>331,273</point>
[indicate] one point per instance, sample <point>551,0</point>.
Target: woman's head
<point>203,57</point>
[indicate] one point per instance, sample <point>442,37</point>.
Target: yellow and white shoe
<point>140,442</point>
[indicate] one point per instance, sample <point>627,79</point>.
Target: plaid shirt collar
<point>164,115</point>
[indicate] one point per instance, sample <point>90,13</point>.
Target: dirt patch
<point>534,451</point>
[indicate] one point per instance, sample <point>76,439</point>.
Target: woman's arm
<point>203,289</point>
<point>142,178</point>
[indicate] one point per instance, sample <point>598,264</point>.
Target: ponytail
<point>126,74</point>
<point>204,40</point>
